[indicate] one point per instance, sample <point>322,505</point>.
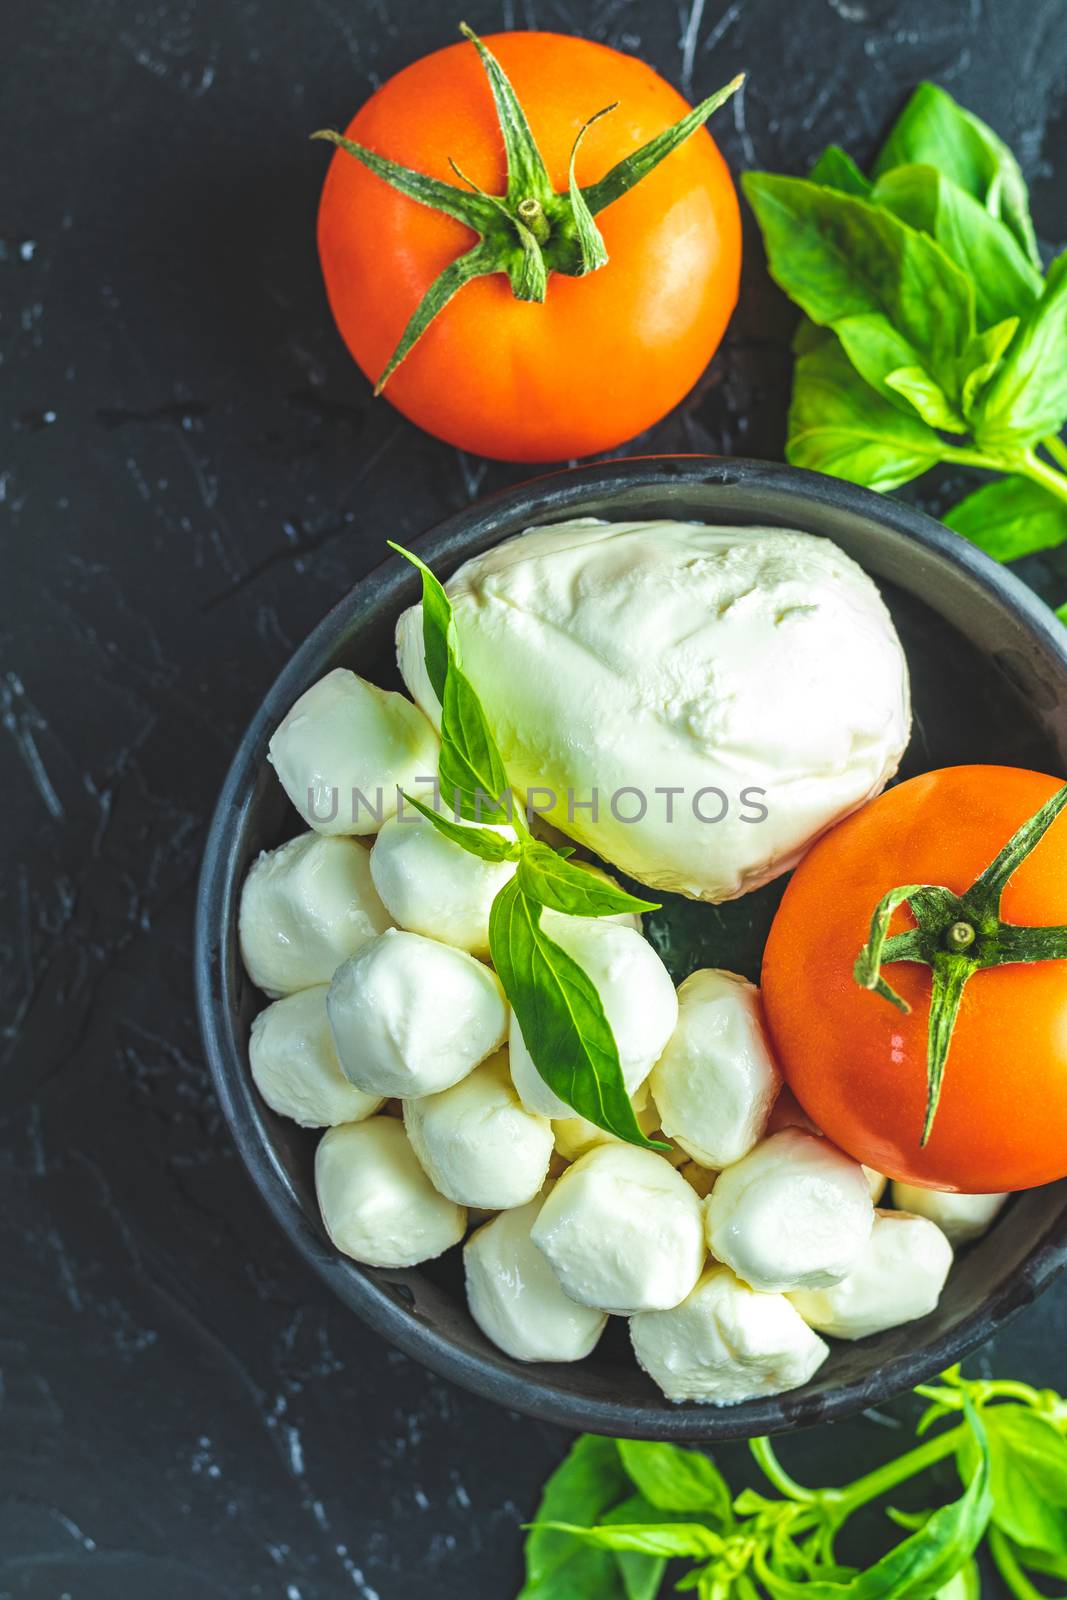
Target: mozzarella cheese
<point>756,662</point>
<point>899,1277</point>
<point>716,1081</point>
<point>433,886</point>
<point>515,1297</point>
<point>477,1142</point>
<point>635,990</point>
<point>726,1343</point>
<point>345,749</point>
<point>702,1179</point>
<point>377,1204</point>
<point>410,1016</point>
<point>305,908</point>
<point>295,1067</point>
<point>961,1217</point>
<point>876,1183</point>
<point>622,1231</point>
<point>575,1135</point>
<point>795,1213</point>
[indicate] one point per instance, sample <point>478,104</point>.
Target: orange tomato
<point>855,1063</point>
<point>604,356</point>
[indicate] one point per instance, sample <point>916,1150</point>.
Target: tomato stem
<point>532,213</point>
<point>957,936</point>
<point>529,231</point>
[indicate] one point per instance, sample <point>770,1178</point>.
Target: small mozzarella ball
<point>876,1183</point>
<point>795,1213</point>
<point>622,1231</point>
<point>410,1016</point>
<point>899,1277</point>
<point>702,1179</point>
<point>515,1297</point>
<point>305,908</point>
<point>961,1217</point>
<point>575,1135</point>
<point>635,990</point>
<point>345,749</point>
<point>295,1067</point>
<point>726,1343</point>
<point>716,1081</point>
<point>377,1204</point>
<point>432,886</point>
<point>478,1143</point>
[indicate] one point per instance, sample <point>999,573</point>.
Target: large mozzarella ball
<point>305,908</point>
<point>430,885</point>
<point>478,1143</point>
<point>411,1016</point>
<point>515,1297</point>
<point>726,1343</point>
<point>575,1135</point>
<point>345,749</point>
<point>716,1081</point>
<point>622,1231</point>
<point>795,1213</point>
<point>377,1204</point>
<point>899,1277</point>
<point>295,1067</point>
<point>961,1217</point>
<point>756,670</point>
<point>635,991</point>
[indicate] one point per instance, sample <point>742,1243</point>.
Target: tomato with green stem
<point>531,243</point>
<point>914,981</point>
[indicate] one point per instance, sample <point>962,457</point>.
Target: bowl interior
<point>989,678</point>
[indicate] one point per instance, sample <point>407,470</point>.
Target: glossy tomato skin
<point>855,1063</point>
<point>604,356</point>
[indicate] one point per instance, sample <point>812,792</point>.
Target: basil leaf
<point>668,1539</point>
<point>586,1484</point>
<point>921,1565</point>
<point>439,641</point>
<point>469,766</point>
<point>887,361</point>
<point>926,397</point>
<point>560,1014</point>
<point>476,841</point>
<point>1028,396</point>
<point>1005,281</point>
<point>1009,518</point>
<point>966,1585</point>
<point>835,169</point>
<point>838,256</point>
<point>1043,1561</point>
<point>933,130</point>
<point>674,1479</point>
<point>983,358</point>
<point>641,1574</point>
<point>840,425</point>
<point>1028,1477</point>
<point>548,879</point>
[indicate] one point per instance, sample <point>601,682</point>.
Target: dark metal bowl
<point>989,671</point>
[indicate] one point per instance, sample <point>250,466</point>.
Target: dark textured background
<point>192,473</point>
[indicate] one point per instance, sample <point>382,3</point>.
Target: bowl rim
<point>530,1389</point>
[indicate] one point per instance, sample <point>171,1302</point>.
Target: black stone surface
<point>192,472</point>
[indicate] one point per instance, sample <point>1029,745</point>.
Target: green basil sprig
<point>931,335</point>
<point>1007,1441</point>
<point>555,1002</point>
